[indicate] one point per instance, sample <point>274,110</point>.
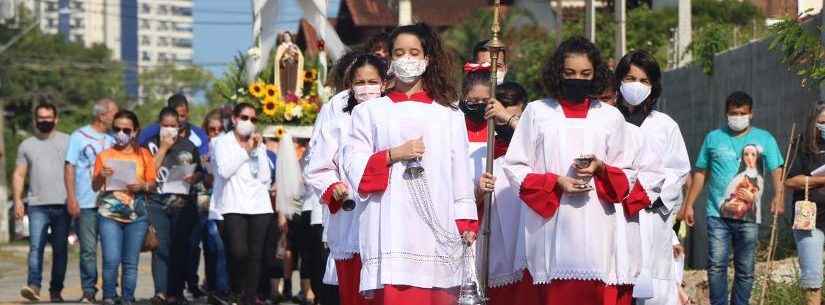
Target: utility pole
<point>590,20</point>
<point>621,28</point>
<point>559,13</point>
<point>404,12</point>
<point>683,36</point>
<point>5,236</point>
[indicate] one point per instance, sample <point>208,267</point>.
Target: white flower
<point>234,97</point>
<point>297,112</point>
<point>241,90</point>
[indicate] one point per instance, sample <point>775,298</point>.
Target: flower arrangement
<point>277,109</point>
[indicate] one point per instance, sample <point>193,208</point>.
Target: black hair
<point>362,60</point>
<point>168,111</point>
<point>648,64</point>
<point>177,100</point>
<point>481,46</point>
<point>738,99</point>
<point>552,72</point>
<point>338,74</point>
<point>47,106</point>
<point>812,138</point>
<point>511,94</point>
<point>129,115</point>
<point>377,42</point>
<point>436,79</point>
<point>240,108</point>
<point>472,79</point>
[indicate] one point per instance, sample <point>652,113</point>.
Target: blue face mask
<point>821,128</point>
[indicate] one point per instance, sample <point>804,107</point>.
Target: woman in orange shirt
<point>121,206</point>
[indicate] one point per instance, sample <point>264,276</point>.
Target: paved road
<point>13,270</point>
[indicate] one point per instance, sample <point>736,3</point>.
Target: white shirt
<point>508,258</point>
<point>397,246</point>
<point>578,241</point>
<point>246,177</point>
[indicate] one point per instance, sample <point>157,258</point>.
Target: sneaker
<point>108,302</point>
<point>158,300</point>
<point>88,298</point>
<point>196,292</point>
<point>55,297</point>
<point>30,293</point>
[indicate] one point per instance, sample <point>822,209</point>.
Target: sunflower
<point>311,75</point>
<point>272,91</point>
<point>280,131</point>
<point>268,107</point>
<point>256,89</point>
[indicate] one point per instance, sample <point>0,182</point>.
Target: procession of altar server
<point>586,182</point>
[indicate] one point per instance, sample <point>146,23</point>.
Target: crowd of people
<point>381,203</point>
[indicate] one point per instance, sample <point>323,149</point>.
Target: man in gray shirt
<point>40,159</point>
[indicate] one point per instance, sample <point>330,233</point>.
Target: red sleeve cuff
<point>636,201</point>
<point>329,199</point>
<point>467,225</point>
<point>611,184</point>
<point>376,175</point>
<point>539,192</point>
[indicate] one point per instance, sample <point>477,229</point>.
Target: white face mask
<point>634,93</point>
<point>168,132</point>
<point>500,75</point>
<point>244,128</point>
<point>738,123</point>
<point>365,93</point>
<point>408,69</point>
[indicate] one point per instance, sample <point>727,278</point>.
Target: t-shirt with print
<point>44,160</point>
<point>85,144</point>
<point>183,152</point>
<point>737,168</point>
<point>113,206</point>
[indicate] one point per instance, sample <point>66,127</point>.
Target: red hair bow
<point>474,67</point>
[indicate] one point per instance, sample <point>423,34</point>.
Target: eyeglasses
<point>124,130</point>
<point>214,129</point>
<point>476,101</point>
<point>244,117</point>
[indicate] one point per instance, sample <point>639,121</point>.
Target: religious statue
<point>289,66</point>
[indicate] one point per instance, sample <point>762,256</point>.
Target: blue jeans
<point>198,237</point>
<point>121,245</point>
<point>170,262</point>
<point>723,232</point>
<point>809,245</point>
<point>87,234</point>
<point>217,277</point>
<point>41,218</point>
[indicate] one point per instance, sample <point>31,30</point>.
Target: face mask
<point>122,139</point>
<point>821,128</point>
<point>45,126</point>
<point>575,90</point>
<point>500,75</point>
<point>168,132</point>
<point>245,128</point>
<point>364,93</point>
<point>408,69</point>
<point>738,123</point>
<point>634,93</point>
<point>474,111</point>
<point>504,132</point>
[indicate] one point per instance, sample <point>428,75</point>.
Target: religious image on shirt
<point>743,192</point>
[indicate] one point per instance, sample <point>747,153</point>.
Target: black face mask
<point>474,112</point>
<point>45,126</point>
<point>575,90</point>
<point>504,132</point>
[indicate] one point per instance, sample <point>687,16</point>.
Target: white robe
<point>578,242</point>
<point>397,247</point>
<point>325,168</point>
<point>508,258</point>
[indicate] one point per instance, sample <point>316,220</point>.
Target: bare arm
<point>798,182</point>
<point>72,205</point>
<point>697,183</point>
<point>18,181</point>
<point>778,203</point>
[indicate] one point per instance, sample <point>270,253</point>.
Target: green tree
<point>160,82</point>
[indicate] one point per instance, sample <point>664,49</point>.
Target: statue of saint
<point>289,66</point>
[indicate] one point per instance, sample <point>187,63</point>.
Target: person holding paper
<point>122,211</point>
<point>810,156</point>
<point>172,209</point>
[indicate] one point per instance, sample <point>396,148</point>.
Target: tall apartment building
<point>140,33</point>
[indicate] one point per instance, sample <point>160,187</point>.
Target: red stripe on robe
<point>329,199</point>
<point>540,193</point>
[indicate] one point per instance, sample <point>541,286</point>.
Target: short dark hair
<point>129,115</point>
<point>511,94</point>
<point>177,100</point>
<point>552,72</point>
<point>338,73</point>
<point>472,79</point>
<point>240,108</point>
<point>377,42</point>
<point>738,99</point>
<point>47,106</point>
<point>647,63</point>
<point>168,111</point>
<point>481,46</point>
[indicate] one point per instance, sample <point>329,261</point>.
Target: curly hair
<point>436,80</point>
<point>650,66</point>
<point>338,73</point>
<point>362,60</point>
<point>552,72</point>
<point>474,78</point>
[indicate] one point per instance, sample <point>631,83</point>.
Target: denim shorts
<point>809,245</point>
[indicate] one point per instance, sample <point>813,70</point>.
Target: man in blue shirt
<point>84,145</point>
<point>181,105</point>
<point>737,156</point>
